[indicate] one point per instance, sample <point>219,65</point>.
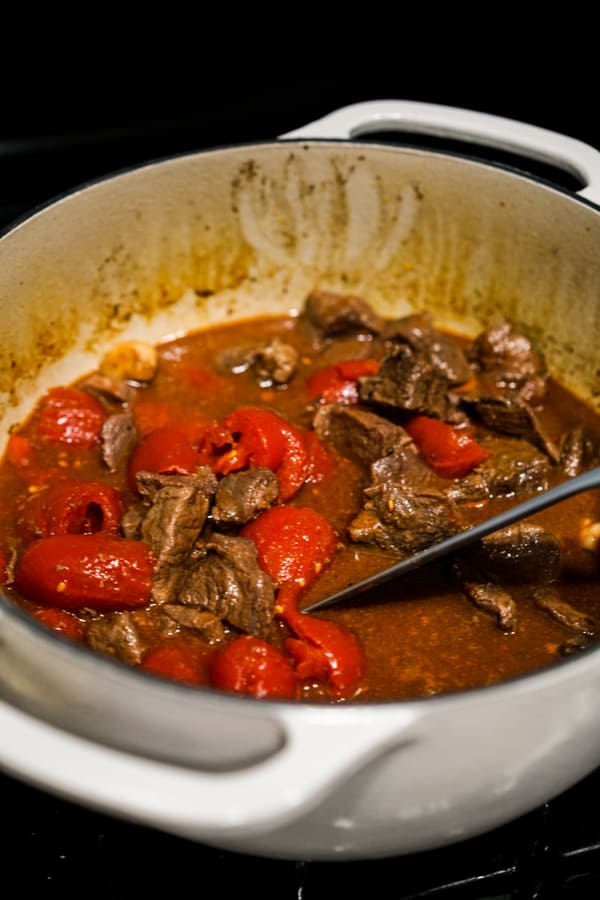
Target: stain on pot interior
<point>179,245</point>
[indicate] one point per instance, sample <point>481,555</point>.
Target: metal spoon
<point>540,501</point>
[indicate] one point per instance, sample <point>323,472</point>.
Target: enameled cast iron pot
<point>231,233</point>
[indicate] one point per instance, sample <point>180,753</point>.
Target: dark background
<point>91,89</point>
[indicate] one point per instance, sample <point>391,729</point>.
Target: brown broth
<point>421,636</point>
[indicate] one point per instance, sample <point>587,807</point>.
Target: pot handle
<point>559,150</point>
<point>319,753</point>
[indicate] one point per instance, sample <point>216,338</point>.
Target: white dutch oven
<point>229,233</point>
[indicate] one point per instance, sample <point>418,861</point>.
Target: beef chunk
<point>208,626</point>
<point>513,416</point>
<point>118,438</point>
<point>396,518</point>
<point>404,465</point>
<point>241,496</point>
<point>177,508</point>
<point>273,363</point>
<point>107,389</point>
<point>578,452</point>
<point>510,360</point>
<point>513,469</point>
<point>522,553</point>
<point>335,314</point>
<point>407,381</point>
<point>357,434</point>
<point>486,594</point>
<point>547,597</point>
<point>442,350</point>
<point>574,644</point>
<point>224,577</point>
<point>123,635</point>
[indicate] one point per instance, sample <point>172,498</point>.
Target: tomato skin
<point>79,571</point>
<point>294,468</point>
<point>260,439</point>
<point>68,415</point>
<point>450,451</point>
<point>321,461</point>
<point>179,660</point>
<point>249,665</point>
<point>293,543</point>
<point>71,507</point>
<point>62,621</point>
<point>332,653</point>
<point>166,450</point>
<point>338,383</point>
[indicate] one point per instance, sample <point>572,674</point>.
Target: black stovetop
<point>88,112</point>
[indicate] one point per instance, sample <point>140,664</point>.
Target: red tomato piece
<point>450,451</point>
<point>62,621</point>
<point>249,665</point>
<point>71,507</point>
<point>79,571</point>
<point>262,438</point>
<point>165,450</point>
<point>3,564</point>
<point>258,436</point>
<point>321,461</point>
<point>331,648</point>
<point>293,471</point>
<point>338,383</point>
<point>293,543</point>
<point>180,661</point>
<point>70,416</point>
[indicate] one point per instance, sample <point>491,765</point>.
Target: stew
<point>177,508</point>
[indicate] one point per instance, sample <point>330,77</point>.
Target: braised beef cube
<point>109,390</point>
<point>486,594</point>
<point>512,361</point>
<point>575,644</point>
<point>405,465</point>
<point>523,553</point>
<point>357,434</point>
<point>206,623</point>
<point>131,521</point>
<point>241,496</point>
<point>226,579</point>
<point>117,634</point>
<point>547,597</point>
<point>273,363</point>
<point>407,381</point>
<point>178,506</point>
<point>514,468</point>
<point>335,314</point>
<point>442,350</point>
<point>578,452</point>
<point>514,416</point>
<point>118,437</point>
<point>395,518</point>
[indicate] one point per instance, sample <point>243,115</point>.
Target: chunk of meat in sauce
<point>511,361</point>
<point>175,509</point>
<point>441,350</point>
<point>336,314</point>
<point>224,577</point>
<point>241,496</point>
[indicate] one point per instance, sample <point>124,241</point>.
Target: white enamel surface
<point>226,235</point>
<point>451,122</point>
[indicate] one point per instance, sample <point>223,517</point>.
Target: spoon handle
<point>569,488</point>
